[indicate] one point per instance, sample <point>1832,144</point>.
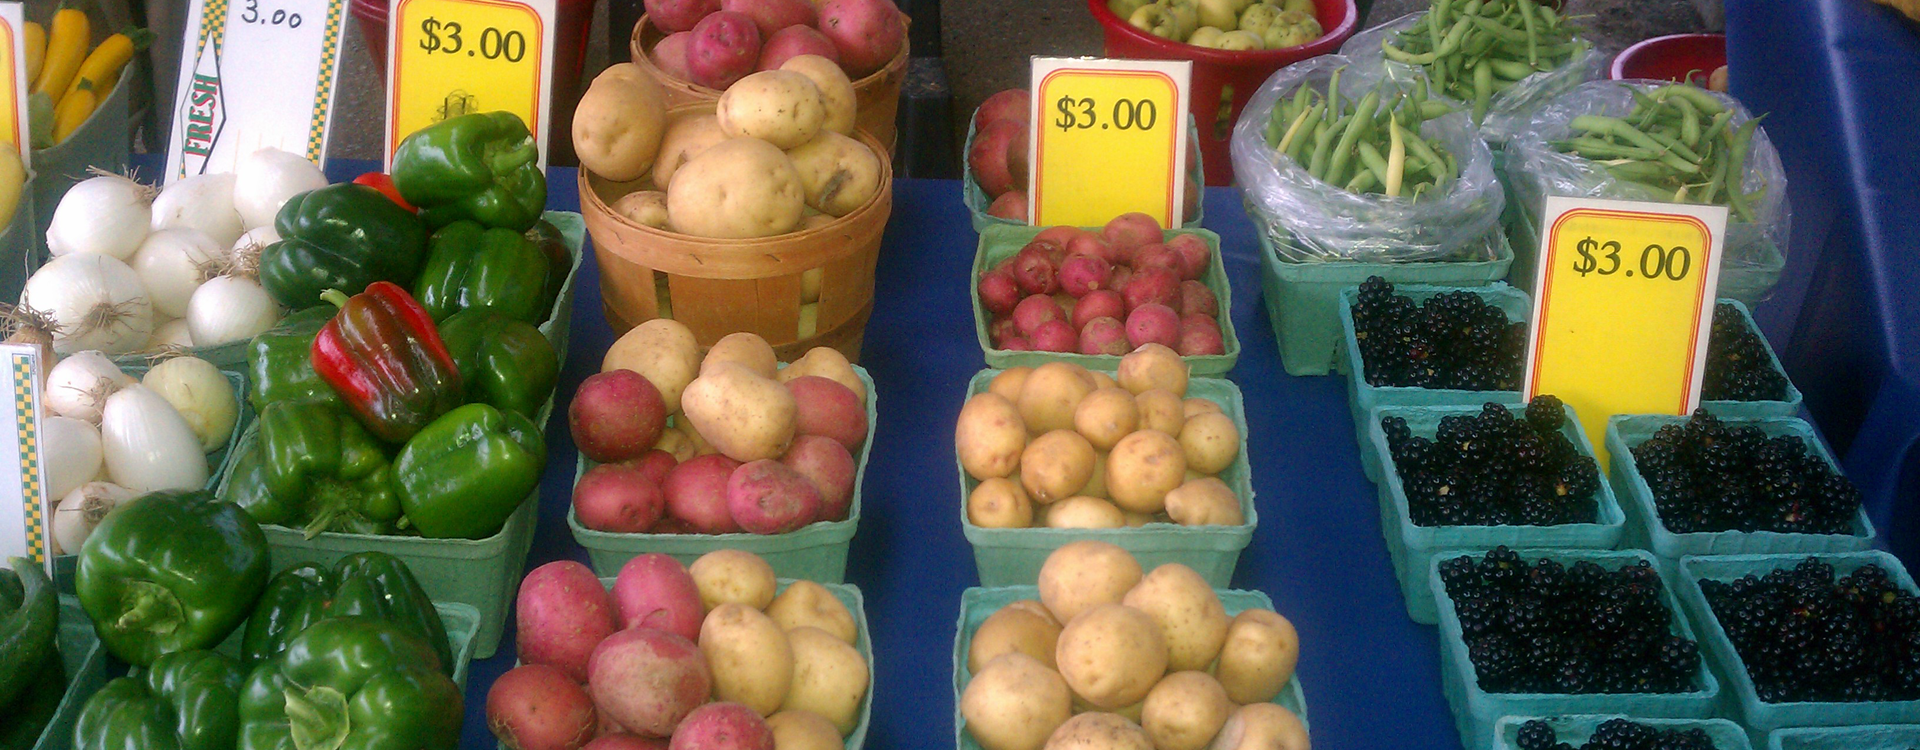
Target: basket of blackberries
<point>1743,378</point>
<point>1869,737</point>
<point>1617,733</point>
<point>1556,632</point>
<point>1463,478</point>
<point>1703,485</point>
<point>1821,640</point>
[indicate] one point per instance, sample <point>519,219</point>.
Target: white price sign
<point>255,74</point>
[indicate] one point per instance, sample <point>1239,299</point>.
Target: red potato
<point>999,292</point>
<point>1197,299</point>
<point>647,679</point>
<point>869,33</point>
<point>623,741</point>
<point>538,707</point>
<point>1194,254</point>
<point>1035,311</point>
<point>794,41</point>
<point>670,55</point>
<point>1083,274</point>
<point>656,464</point>
<point>773,15</point>
<point>1016,344</point>
<point>722,726</point>
<point>1156,255</point>
<point>830,467</point>
<point>679,15</point>
<point>1121,275</point>
<point>1053,250</point>
<point>616,415</point>
<point>564,613</point>
<point>1153,286</point>
<point>1153,324</point>
<point>1104,336</point>
<point>1035,274</point>
<point>1104,303</point>
<point>725,47</point>
<point>1000,330</point>
<point>992,160</point>
<point>829,409</point>
<point>1200,335</point>
<point>1055,336</point>
<point>1088,243</point>
<point>1011,205</point>
<point>696,493</point>
<point>768,497</point>
<point>1131,230</point>
<point>1012,104</point>
<point>1060,235</point>
<point>619,498</point>
<point>656,591</point>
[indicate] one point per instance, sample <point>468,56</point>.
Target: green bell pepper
<point>186,701</point>
<point>280,361</point>
<point>170,572</point>
<point>344,237</point>
<point>463,475</point>
<point>505,363</point>
<point>372,584</point>
<point>482,166</point>
<point>33,710</point>
<point>470,267</point>
<point>313,466</point>
<point>353,683</point>
<point>553,243</point>
<point>29,623</point>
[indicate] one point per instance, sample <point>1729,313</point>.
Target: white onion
<point>172,334</point>
<point>174,262</point>
<point>230,308</point>
<point>149,446</point>
<point>96,301</point>
<point>83,509</point>
<point>265,179</point>
<point>108,214</point>
<point>255,239</point>
<point>203,202</point>
<point>201,394</point>
<point>71,450</point>
<point>78,387</point>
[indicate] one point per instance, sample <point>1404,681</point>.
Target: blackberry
<point>1708,476</point>
<point>1495,469</point>
<point>1456,340</point>
<point>1805,634</point>
<point>1545,628</point>
<point>1616,734</point>
<point>1738,368</point>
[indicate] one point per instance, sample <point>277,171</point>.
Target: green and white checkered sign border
<point>31,493</point>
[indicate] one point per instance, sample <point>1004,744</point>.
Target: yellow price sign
<point>13,80</point>
<point>451,57</point>
<point>1109,137</point>
<point>1623,306</point>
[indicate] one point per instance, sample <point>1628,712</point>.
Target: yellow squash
<point>73,109</point>
<point>13,180</point>
<point>102,68</point>
<point>66,47</point>
<point>36,49</point>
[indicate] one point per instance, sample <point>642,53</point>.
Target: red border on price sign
<point>1173,133</point>
<point>400,20</point>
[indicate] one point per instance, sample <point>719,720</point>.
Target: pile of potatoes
<point>1065,447</point>
<point>777,155</point>
<point>1147,662</point>
<point>715,444</point>
<point>707,655</point>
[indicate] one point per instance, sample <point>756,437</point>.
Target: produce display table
<point>1372,676</point>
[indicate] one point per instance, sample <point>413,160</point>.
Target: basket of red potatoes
<point>719,655</point>
<point>1093,295</point>
<point>684,454</point>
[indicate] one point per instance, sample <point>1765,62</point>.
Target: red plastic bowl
<point>1680,57</point>
<point>1224,75</point>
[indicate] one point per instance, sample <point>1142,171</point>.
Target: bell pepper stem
<point>149,607</point>
<point>317,718</point>
<point>506,161</point>
<point>336,297</point>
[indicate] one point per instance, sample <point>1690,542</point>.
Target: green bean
<point>1419,94</point>
<point>1482,90</point>
<point>1533,34</point>
<point>1719,174</point>
<point>1293,129</point>
<point>1333,92</point>
<point>1361,182</point>
<point>1477,46</point>
<point>1419,146</point>
<point>1671,140</point>
<point>1396,161</point>
<point>1297,148</point>
<point>1737,144</point>
<point>1323,147</point>
<point>1501,31</point>
<point>1620,128</point>
<point>1374,160</point>
<point>1433,24</point>
<point>1431,109</point>
<point>1718,126</point>
<point>1695,96</point>
<point>1689,126</point>
<point>1510,69</point>
<point>1362,117</point>
<point>1447,46</point>
<point>1641,171</point>
<point>1594,148</point>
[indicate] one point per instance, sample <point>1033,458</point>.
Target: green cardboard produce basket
<point>1001,242</point>
<point>1743,702</point>
<point>1789,406</point>
<point>1747,283</point>
<point>977,200</point>
<point>1872,737</point>
<point>1475,711</point>
<point>1413,547</point>
<point>1012,557</point>
<point>1302,299</point>
<point>1646,531</point>
<point>1575,730</point>
<point>86,666</point>
<point>815,552</point>
<point>977,604</point>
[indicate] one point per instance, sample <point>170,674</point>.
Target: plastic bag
<point>1510,110</point>
<point>1311,220</point>
<point>1535,169</point>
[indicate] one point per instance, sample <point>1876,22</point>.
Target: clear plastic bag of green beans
<point>1658,141</point>
<point>1446,213</point>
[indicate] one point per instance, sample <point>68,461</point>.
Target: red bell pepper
<point>384,357</point>
<point>383,182</point>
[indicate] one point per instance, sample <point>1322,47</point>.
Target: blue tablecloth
<point>1371,675</point>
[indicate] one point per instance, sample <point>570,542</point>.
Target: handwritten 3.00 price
<point>1656,262</point>
<point>1125,114</point>
<point>493,44</point>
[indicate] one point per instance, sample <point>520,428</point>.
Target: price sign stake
<point>255,74</point>
<point>13,80</point>
<point>1623,306</point>
<point>1109,137</point>
<point>452,57</point>
<point>26,521</point>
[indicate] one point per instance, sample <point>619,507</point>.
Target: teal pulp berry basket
<point>1002,242</point>
<point>1575,730</point>
<point>815,552</point>
<point>1872,737</point>
<point>1303,299</point>
<point>1748,283</point>
<point>85,664</point>
<point>1475,711</point>
<point>1012,557</point>
<point>1742,700</point>
<point>1787,406</point>
<point>18,258</point>
<point>977,201</point>
<point>977,604</point>
<point>1646,531</point>
<point>1413,547</point>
